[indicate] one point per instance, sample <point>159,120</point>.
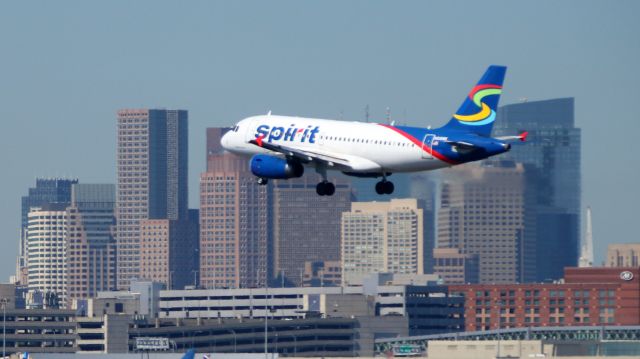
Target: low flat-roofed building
<point>322,274</point>
<point>40,331</point>
<point>588,296</point>
<point>455,267</point>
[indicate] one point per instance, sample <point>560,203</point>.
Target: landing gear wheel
<point>329,189</point>
<point>384,187</point>
<point>388,187</point>
<point>325,188</point>
<point>262,181</point>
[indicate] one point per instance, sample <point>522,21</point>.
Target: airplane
<point>281,146</point>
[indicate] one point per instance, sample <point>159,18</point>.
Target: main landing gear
<point>325,188</point>
<point>262,181</point>
<point>384,187</point>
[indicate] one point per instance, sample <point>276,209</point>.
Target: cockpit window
<point>236,128</point>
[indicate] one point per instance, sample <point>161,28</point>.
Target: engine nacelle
<point>266,166</point>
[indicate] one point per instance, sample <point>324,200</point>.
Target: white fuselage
<point>368,147</point>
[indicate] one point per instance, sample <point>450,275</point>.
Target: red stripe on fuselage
<point>431,151</point>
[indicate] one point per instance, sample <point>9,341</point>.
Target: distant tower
<point>152,177</point>
<point>366,113</point>
<point>586,250</point>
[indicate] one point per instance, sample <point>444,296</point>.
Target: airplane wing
<point>344,163</point>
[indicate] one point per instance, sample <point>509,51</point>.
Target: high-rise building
<point>169,251</point>
<point>46,191</point>
<point>46,249</point>
<point>424,187</point>
<point>90,241</point>
<point>485,210</point>
<point>152,157</point>
<point>552,154</point>
<point>382,237</point>
<point>454,267</point>
<point>306,227</point>
<point>235,227</point>
<point>623,255</point>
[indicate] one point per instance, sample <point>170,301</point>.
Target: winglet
<point>190,354</point>
<point>523,136</point>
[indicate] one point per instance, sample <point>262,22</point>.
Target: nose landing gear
<point>262,181</point>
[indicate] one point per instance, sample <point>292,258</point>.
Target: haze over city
<point>69,66</point>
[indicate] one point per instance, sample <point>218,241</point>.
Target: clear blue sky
<point>67,66</point>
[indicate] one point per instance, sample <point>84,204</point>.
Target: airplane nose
<point>224,141</point>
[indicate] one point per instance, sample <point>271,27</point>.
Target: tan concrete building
<point>454,267</point>
<point>382,237</point>
<point>485,210</point>
<point>234,221</point>
<point>169,251</point>
<point>623,255</point>
<point>322,274</point>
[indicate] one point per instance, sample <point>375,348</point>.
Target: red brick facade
<point>589,296</point>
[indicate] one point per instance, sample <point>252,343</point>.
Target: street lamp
<point>4,302</point>
<point>195,279</point>
<point>235,340</point>
<point>266,315</point>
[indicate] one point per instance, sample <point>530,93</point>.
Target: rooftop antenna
<point>586,250</point>
<point>340,115</point>
<point>366,113</point>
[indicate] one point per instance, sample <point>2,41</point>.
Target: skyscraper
<point>552,152</point>
<point>90,241</point>
<point>46,191</point>
<point>152,157</point>
<point>424,187</point>
<point>485,210</point>
<point>235,222</point>
<point>382,237</point>
<point>306,227</point>
<point>46,249</point>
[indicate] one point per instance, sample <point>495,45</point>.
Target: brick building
<point>588,296</point>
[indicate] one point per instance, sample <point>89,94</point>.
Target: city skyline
<point>66,100</point>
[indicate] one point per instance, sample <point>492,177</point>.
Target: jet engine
<point>265,166</point>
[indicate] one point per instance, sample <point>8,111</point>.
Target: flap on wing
<point>303,156</point>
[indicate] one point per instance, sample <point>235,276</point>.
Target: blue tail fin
<point>190,354</point>
<point>478,111</point>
